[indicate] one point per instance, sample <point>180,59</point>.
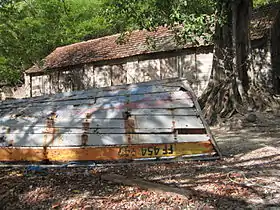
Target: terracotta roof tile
<point>106,48</point>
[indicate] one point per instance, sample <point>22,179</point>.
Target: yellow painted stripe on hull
<point>105,153</point>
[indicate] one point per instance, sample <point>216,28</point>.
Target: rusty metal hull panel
<point>97,124</point>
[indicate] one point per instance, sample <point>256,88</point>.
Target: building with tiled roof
<point>105,62</point>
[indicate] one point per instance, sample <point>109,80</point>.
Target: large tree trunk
<point>230,89</point>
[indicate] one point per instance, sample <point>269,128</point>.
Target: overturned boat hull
<point>159,119</point>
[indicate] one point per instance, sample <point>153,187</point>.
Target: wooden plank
<point>143,184</point>
<point>34,115</point>
<point>80,130</point>
<point>177,111</point>
<point>109,104</point>
<point>105,153</point>
<point>74,137</point>
<point>161,121</point>
<point>140,122</point>
<point>77,130</point>
<point>164,85</point>
<point>63,123</point>
<point>89,94</point>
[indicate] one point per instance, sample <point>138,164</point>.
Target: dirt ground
<point>248,177</point>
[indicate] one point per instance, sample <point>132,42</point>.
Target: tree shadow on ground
<point>248,180</point>
<point>219,184</point>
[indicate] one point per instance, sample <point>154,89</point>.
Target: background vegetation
<point>31,29</point>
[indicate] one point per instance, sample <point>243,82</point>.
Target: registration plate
<point>147,151</point>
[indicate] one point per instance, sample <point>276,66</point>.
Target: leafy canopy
<point>31,29</point>
<point>191,15</point>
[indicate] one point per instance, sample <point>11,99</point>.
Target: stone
<point>251,117</point>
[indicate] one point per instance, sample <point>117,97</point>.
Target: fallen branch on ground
<point>143,184</point>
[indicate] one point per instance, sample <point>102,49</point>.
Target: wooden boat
<point>158,119</point>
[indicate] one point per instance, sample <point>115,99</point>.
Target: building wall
<point>8,92</point>
<point>275,51</point>
<point>195,66</point>
<point>262,62</point>
<point>27,85</point>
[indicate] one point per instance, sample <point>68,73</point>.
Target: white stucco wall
<point>196,67</point>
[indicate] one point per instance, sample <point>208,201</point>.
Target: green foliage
<point>190,19</point>
<point>84,20</point>
<point>149,14</point>
<point>7,74</point>
<point>258,3</point>
<point>31,29</point>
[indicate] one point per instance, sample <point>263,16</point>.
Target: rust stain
<point>10,143</point>
<point>175,131</point>
<point>8,131</point>
<point>45,154</point>
<point>50,123</point>
<point>129,126</point>
<point>88,115</point>
<point>206,145</point>
<point>86,127</point>
<point>173,124</point>
<point>84,139</point>
<point>50,130</point>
